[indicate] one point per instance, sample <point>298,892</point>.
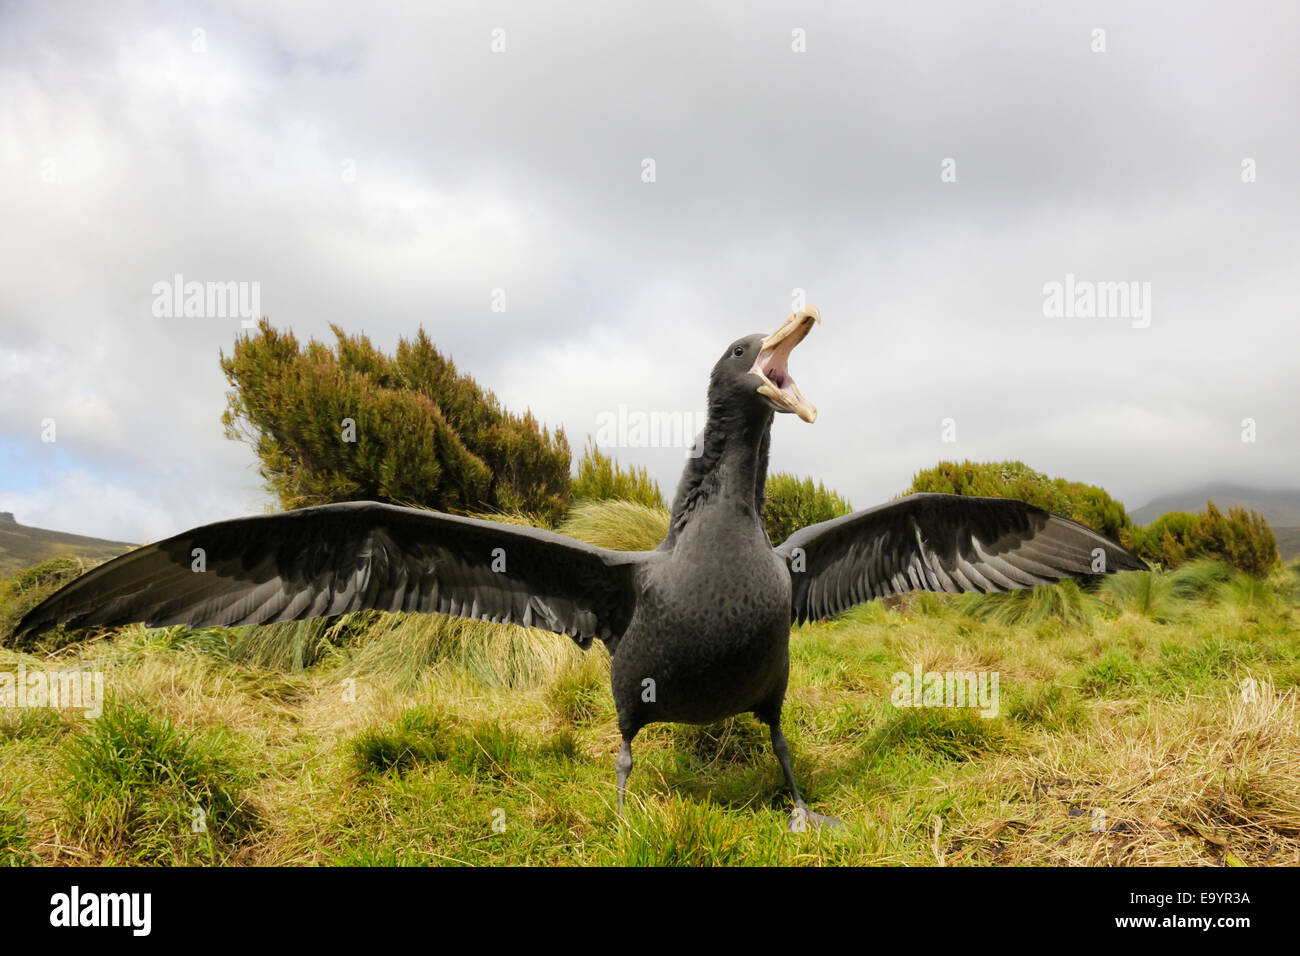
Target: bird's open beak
<point>772,364</point>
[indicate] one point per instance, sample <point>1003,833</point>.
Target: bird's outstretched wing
<point>317,562</point>
<point>932,542</point>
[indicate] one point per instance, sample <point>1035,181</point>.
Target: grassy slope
<point>21,546</point>
<point>457,725</point>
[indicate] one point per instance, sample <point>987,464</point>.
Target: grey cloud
<point>775,170</point>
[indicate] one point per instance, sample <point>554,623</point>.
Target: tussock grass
<point>1149,720</point>
<point>1148,594</point>
<point>417,736</point>
<point>138,789</point>
<point>616,524</point>
<point>1199,579</point>
<point>579,695</point>
<point>1051,707</point>
<point>1246,591</point>
<point>1065,602</point>
<point>945,734</point>
<point>682,833</point>
<point>293,645</point>
<point>399,649</point>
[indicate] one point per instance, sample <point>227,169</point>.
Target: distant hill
<point>1288,543</point>
<point>21,546</point>
<point>1279,506</point>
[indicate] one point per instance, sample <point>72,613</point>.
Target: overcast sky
<point>383,168</point>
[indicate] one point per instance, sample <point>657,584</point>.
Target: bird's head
<point>756,369</point>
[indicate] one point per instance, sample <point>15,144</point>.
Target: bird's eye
<point>739,350</point>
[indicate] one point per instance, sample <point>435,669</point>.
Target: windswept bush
<point>352,423</point>
<point>1240,538</point>
<point>600,478</point>
<point>30,586</point>
<point>1087,504</point>
<point>793,503</point>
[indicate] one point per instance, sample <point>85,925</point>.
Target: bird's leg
<point>802,816</point>
<point>624,765</point>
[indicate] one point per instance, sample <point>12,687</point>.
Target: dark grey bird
<point>698,629</point>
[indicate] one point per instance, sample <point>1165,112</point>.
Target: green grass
<point>415,737</point>
<point>15,843</point>
<point>139,789</point>
<point>1048,706</point>
<point>1169,704</point>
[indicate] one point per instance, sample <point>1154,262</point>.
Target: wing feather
<point>330,560</point>
<point>937,542</point>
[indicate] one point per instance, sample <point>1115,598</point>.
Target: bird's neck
<point>729,471</point>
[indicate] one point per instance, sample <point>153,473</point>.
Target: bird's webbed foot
<point>804,818</point>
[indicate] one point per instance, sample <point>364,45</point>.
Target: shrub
<point>793,503</point>
<point>1165,540</point>
<point>600,478</point>
<point>30,586</point>
<point>1240,538</point>
<point>422,433</point>
<point>1087,504</point>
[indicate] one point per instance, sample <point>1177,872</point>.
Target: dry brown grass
<point>1183,783</point>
